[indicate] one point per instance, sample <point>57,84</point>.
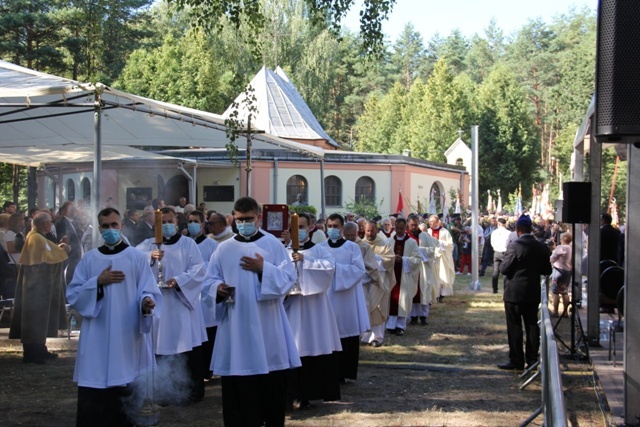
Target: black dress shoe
<point>375,343</point>
<point>399,331</point>
<point>32,360</point>
<point>423,321</point>
<point>50,356</point>
<point>414,320</point>
<point>510,366</point>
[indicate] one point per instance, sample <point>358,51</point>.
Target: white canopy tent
<point>46,119</point>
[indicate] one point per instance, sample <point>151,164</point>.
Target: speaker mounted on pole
<point>576,207</point>
<point>617,110</point>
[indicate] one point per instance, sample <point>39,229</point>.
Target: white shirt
<point>499,239</point>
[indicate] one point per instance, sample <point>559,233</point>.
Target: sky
<point>470,16</point>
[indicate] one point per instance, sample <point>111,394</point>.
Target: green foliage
<point>299,209</point>
<point>528,92</point>
<point>215,14</point>
<point>366,207</point>
<point>508,151</point>
<point>236,126</point>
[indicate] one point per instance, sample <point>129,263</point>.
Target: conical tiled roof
<point>281,109</point>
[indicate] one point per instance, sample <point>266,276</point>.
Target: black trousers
<point>316,379</point>
<point>254,400</point>
<point>498,257</point>
<point>102,407</point>
<point>348,358</point>
<point>516,314</point>
<point>207,351</point>
<point>487,255</point>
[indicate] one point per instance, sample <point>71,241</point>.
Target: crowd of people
<point>280,320</point>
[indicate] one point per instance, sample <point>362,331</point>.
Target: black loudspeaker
<point>617,112</point>
<point>576,207</point>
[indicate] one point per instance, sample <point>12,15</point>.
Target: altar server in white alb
<point>254,344</point>
<point>313,322</point>
<point>114,290</point>
<point>181,331</point>
<point>347,296</point>
<point>206,246</point>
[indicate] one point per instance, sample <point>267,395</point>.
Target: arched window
<point>86,190</point>
<point>435,199</point>
<point>365,189</point>
<point>71,190</point>
<point>459,162</point>
<point>332,191</point>
<point>297,184</point>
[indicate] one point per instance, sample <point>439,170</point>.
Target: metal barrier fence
<point>553,406</point>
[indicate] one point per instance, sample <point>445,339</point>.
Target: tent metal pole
<point>475,207</point>
<point>97,166</point>
<point>322,190</point>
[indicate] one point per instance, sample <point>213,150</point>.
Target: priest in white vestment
<point>444,270</point>
<point>407,271</point>
<point>378,296</point>
<point>427,246</point>
<point>114,290</point>
<point>254,345</point>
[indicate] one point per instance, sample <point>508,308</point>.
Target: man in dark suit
<point>146,227</point>
<point>524,262</point>
<point>69,232</point>
<point>130,225</point>
<point>609,239</point>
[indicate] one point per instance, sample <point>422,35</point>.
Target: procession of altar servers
<point>287,316</point>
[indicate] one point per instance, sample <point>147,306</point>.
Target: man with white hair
<point>378,296</point>
<point>444,271</point>
<point>371,278</point>
<point>387,230</point>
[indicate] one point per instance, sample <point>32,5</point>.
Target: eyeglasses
<point>245,219</point>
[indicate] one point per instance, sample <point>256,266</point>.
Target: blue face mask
<point>333,233</point>
<point>111,236</point>
<point>247,229</point>
<point>302,235</point>
<point>168,230</point>
<point>194,228</point>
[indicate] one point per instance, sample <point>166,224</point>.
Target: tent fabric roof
<point>34,156</point>
<point>281,110</point>
<point>42,110</point>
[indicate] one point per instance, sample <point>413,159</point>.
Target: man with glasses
<point>218,228</point>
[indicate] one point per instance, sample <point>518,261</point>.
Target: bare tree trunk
<point>32,188</point>
<point>16,184</point>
